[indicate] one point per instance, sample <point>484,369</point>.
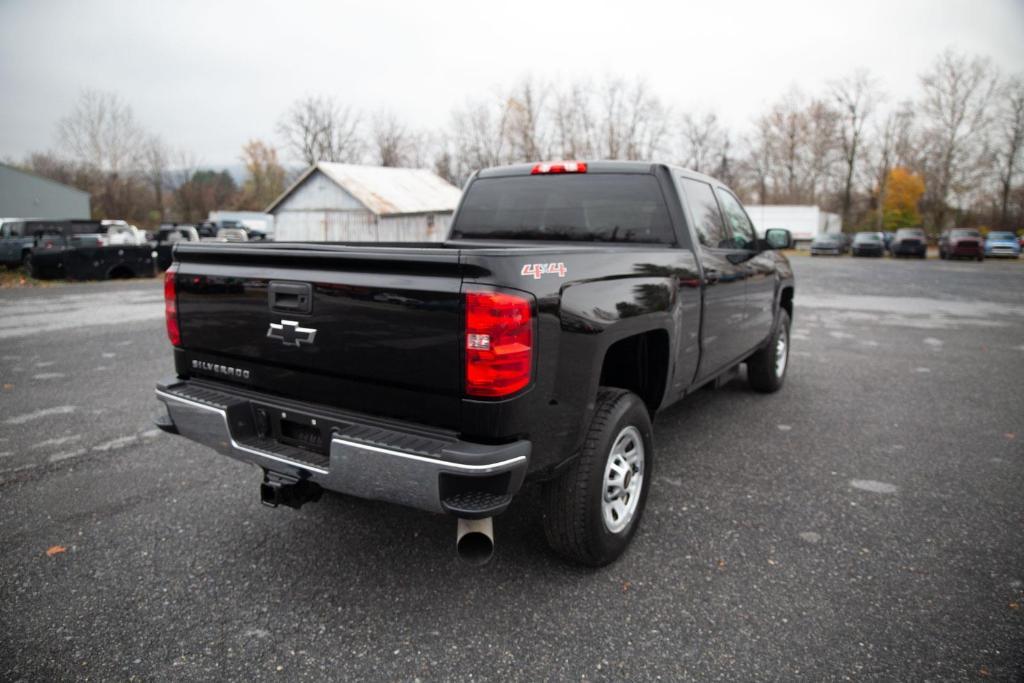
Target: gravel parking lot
<point>867,521</point>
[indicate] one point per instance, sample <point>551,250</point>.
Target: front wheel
<point>766,369</point>
<point>592,510</point>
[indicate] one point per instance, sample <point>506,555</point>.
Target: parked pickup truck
<point>570,303</point>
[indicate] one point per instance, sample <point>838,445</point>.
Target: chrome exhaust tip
<point>474,540</point>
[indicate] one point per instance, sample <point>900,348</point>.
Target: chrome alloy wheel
<point>623,480</point>
<point>781,352</point>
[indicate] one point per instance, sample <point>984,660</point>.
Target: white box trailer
<point>804,222</point>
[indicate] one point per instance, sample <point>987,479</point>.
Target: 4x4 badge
<point>289,332</point>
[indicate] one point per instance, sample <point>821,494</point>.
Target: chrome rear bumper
<point>364,458</point>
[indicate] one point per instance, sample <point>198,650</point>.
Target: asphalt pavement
<point>865,522</point>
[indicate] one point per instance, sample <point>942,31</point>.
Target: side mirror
<point>778,238</point>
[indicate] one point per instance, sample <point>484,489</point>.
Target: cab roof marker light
<point>550,167</point>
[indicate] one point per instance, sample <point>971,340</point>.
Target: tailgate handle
<point>291,297</point>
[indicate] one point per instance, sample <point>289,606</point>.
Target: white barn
<point>346,203</point>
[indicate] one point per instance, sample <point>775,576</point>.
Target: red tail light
<point>171,305</point>
<point>499,343</point>
<point>559,167</point>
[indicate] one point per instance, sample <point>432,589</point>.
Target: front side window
<point>707,217</point>
<point>742,229</point>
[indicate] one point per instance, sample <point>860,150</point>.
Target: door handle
<point>711,276</point>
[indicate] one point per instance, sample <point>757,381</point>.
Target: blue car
<point>1002,244</point>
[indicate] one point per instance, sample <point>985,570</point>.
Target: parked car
<point>828,244</point>
<point>961,243</point>
<point>15,242</point>
<point>232,235</point>
<point>169,235</point>
<point>1002,244</point>
<point>207,230</point>
<point>868,244</point>
<point>909,242</point>
<point>571,302</point>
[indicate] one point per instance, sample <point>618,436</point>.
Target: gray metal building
<point>346,203</point>
<point>26,195</point>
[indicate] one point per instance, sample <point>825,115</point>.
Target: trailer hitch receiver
<point>281,489</point>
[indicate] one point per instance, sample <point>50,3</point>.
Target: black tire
<point>763,372</point>
<point>573,503</point>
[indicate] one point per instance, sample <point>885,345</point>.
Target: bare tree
<point>155,161</point>
<point>477,138</point>
<point>760,160</point>
<point>703,140</point>
<point>574,124</point>
<point>1009,151</point>
<point>821,122</point>
<point>388,138</point>
<point>101,131</point>
<point>634,122</point>
<point>526,126</point>
<point>394,144</point>
<point>855,97</point>
<point>955,107</point>
<point>319,129</point>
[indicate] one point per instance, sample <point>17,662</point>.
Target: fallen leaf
<point>8,387</point>
<point>625,586</point>
<point>55,550</point>
<point>1010,435</point>
<point>772,562</point>
<point>1014,605</point>
<point>721,564</point>
<point>984,672</point>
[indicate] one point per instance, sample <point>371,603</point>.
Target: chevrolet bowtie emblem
<point>289,332</point>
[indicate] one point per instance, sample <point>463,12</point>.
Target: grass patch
<point>17,279</point>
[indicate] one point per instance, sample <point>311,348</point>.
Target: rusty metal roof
<point>386,191</point>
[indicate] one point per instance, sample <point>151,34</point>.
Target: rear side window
<point>707,217</point>
<point>595,207</point>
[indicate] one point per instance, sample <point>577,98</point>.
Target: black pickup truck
<point>570,303</point>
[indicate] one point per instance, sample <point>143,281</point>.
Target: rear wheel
<point>766,369</point>
<point>593,509</point>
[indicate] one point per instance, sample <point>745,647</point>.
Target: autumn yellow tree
<point>903,191</point>
<point>264,180</point>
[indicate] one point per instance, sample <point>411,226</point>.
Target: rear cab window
<point>588,207</point>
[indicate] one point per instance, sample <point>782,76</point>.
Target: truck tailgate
<point>340,316</point>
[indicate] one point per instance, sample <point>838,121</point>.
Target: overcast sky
<point>208,75</point>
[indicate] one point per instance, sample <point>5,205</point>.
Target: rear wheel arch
<point>639,363</point>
